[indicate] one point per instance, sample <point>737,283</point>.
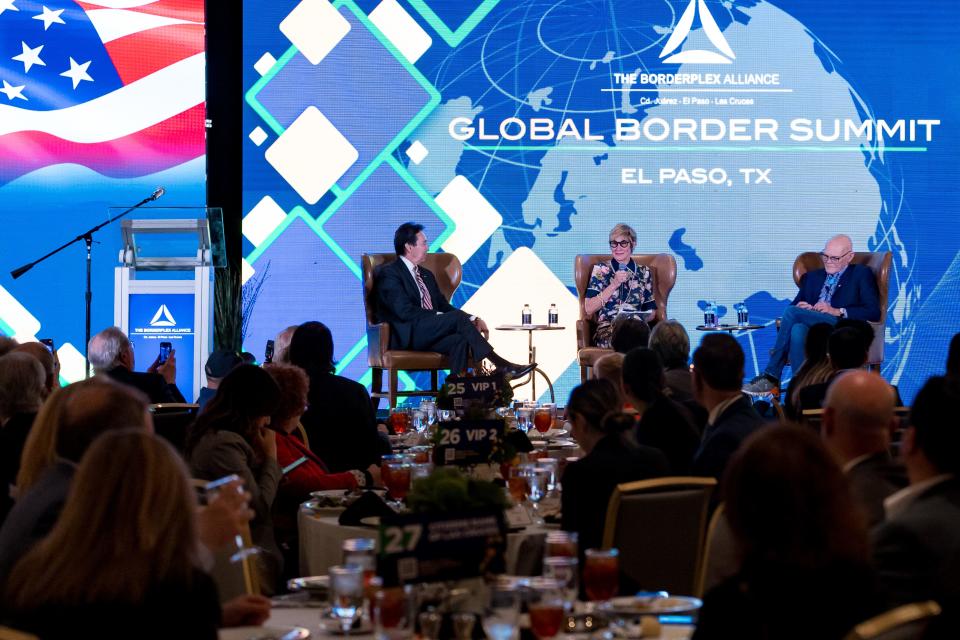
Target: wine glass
<point>536,489</point>
<point>400,420</point>
<point>502,613</point>
<point>566,570</point>
<point>551,466</point>
<point>445,415</point>
<point>544,417</point>
<point>601,574</point>
<point>419,420</point>
<point>429,409</point>
<point>524,418</point>
<point>346,590</point>
<point>546,605</point>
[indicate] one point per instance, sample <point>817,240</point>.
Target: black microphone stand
<point>87,238</point>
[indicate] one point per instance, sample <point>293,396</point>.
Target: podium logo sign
<point>163,318</point>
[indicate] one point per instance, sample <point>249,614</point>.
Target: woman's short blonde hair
<point>624,230</point>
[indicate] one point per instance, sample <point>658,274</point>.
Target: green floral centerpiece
<point>449,490</point>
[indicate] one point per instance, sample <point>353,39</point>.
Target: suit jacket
<point>152,384</point>
<point>668,426</point>
<point>589,482</point>
<point>724,437</point>
<point>398,300</point>
<point>857,292</point>
<point>917,555</point>
<point>874,479</point>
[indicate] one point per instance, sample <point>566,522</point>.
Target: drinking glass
<point>429,409</point>
<point>210,492</point>
<point>400,420</point>
<point>420,470</point>
<point>361,552</point>
<point>546,605</point>
<point>385,462</point>
<point>430,622</point>
<point>561,544</point>
<point>502,613</point>
<point>566,570</point>
<point>463,624</point>
<point>346,591</point>
<point>544,417</point>
<point>397,481</point>
<point>601,574</point>
<point>393,613</point>
<point>524,418</point>
<point>445,415</point>
<point>551,466</point>
<point>517,484</point>
<point>419,420</point>
<point>536,489</point>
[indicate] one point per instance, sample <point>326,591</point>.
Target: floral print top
<point>634,296</point>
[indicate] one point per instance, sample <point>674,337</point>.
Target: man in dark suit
<point>717,378</point>
<point>858,421</point>
<point>917,548</point>
<point>839,290</point>
<point>112,354</point>
<point>421,318</point>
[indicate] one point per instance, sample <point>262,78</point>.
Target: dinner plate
<point>263,633</point>
<point>652,604</point>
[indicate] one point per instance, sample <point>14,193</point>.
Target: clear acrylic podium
<point>164,286</point>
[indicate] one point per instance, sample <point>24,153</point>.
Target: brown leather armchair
<point>448,271</point>
<point>663,270</point>
<point>879,263</point>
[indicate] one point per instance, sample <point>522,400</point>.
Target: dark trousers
<point>453,335</point>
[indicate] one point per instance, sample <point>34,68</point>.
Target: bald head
<point>840,243</point>
<point>858,413</point>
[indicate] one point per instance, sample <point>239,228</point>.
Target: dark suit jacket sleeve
<point>808,291</point>
<point>392,296</point>
<point>712,458</point>
<point>905,570</point>
<point>867,305</point>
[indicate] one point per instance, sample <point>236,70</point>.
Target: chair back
<point>6,633</point>
<point>907,622</point>
<point>445,267</point>
<point>659,527</point>
<point>663,272</point>
<point>720,558</point>
<point>879,262</point>
<point>171,421</point>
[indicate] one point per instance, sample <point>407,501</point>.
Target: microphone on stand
<point>159,192</point>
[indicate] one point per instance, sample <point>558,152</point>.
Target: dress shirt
<point>902,499</point>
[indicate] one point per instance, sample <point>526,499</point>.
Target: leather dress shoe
<point>515,371</point>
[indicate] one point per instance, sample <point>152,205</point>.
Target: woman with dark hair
<point>816,367</point>
<point>122,559</point>
<point>231,436</point>
<point>661,423</point>
<point>600,428</point>
<point>339,421</point>
<point>802,544</point>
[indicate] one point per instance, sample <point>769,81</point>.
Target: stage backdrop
<point>733,135</point>
<point>101,102</point>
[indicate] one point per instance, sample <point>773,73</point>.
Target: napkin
<point>369,504</point>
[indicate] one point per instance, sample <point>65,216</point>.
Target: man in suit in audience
<point>839,290</point>
<point>917,548</point>
<point>112,354</point>
<point>717,378</point>
<point>858,421</point>
<point>421,318</point>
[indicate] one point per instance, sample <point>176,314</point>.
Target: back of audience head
<point>595,407</point>
<point>858,414</point>
<point>718,364</point>
<point>932,439</point>
<point>22,385</point>
<point>860,326</point>
<point>294,386</point>
<point>847,349</point>
<point>109,349</point>
<point>127,526</point>
<point>311,349</point>
<point>281,345</point>
<point>73,417</point>
<point>815,346</point>
<point>629,332</point>
<point>245,400</point>
<point>953,357</point>
<point>7,345</point>
<point>643,375</point>
<point>50,364</point>
<point>219,364</point>
<point>671,342</point>
<point>788,504</point>
<point>609,367</point>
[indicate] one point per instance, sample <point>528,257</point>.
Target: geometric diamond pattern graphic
<point>453,37</point>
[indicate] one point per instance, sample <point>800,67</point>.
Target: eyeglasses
<point>827,258</point>
<point>621,243</point>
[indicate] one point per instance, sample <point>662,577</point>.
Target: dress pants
<point>453,335</point>
<point>791,338</point>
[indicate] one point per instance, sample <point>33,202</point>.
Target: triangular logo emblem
<point>724,55</point>
<point>163,318</point>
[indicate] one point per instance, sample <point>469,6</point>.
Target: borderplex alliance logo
<point>163,318</point>
<point>680,33</point>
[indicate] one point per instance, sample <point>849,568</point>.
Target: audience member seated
<point>610,459</point>
<point>339,420</point>
<point>816,368</point>
<point>917,549</point>
<point>304,471</point>
<point>122,559</point>
<point>717,379</point>
<point>847,351</point>
<point>64,429</point>
<point>281,345</point>
<point>50,362</point>
<point>805,569</point>
<point>670,341</point>
<point>610,368</point>
<point>628,333</point>
<point>7,345</point>
<point>661,422</point>
<point>22,389</point>
<point>231,437</point>
<point>858,421</point>
<point>953,357</point>
<point>111,353</point>
<point>219,364</point>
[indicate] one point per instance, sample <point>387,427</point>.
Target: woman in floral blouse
<point>619,286</point>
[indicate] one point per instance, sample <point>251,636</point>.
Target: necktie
<point>425,301</point>
<point>829,287</point>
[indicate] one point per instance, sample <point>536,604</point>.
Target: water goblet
<point>502,614</point>
<point>346,591</point>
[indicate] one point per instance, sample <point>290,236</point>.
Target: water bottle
<point>710,315</point>
<point>743,316</point>
<point>526,316</point>
<point>552,316</point>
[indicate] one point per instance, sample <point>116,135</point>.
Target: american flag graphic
<point>114,85</point>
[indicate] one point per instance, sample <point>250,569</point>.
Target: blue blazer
<point>857,292</point>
